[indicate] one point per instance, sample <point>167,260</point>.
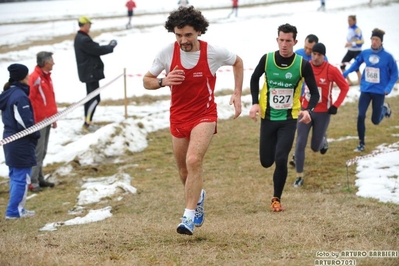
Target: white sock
<point>189,214</point>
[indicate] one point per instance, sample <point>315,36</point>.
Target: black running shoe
<point>388,110</point>
<point>46,184</point>
<point>298,182</point>
<point>325,147</point>
<point>292,163</point>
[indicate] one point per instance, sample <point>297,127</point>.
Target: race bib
<point>281,98</point>
<point>307,94</point>
<point>372,74</point>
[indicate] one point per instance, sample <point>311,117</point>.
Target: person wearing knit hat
<point>326,75</point>
<point>319,48</point>
<point>378,33</point>
<point>306,52</point>
<point>354,43</point>
<point>378,79</point>
<point>17,115</point>
<point>18,72</point>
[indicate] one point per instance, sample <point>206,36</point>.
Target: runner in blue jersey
<point>378,79</point>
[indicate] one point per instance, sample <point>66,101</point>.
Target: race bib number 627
<point>281,98</point>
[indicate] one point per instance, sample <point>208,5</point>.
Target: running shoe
<point>34,189</point>
<point>359,148</point>
<point>389,110</point>
<point>24,214</point>
<point>186,227</point>
<point>292,162</point>
<point>276,205</point>
<point>325,146</point>
<point>200,211</point>
<point>298,182</point>
<point>45,184</point>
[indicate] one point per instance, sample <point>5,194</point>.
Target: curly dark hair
<point>287,28</point>
<point>187,16</point>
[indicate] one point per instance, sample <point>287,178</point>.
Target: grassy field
<point>324,215</point>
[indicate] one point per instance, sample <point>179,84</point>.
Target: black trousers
<point>90,106</point>
<point>275,144</point>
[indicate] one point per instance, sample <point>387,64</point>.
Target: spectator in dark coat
<point>90,65</point>
<point>17,115</point>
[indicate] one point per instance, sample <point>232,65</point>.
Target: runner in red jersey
<point>326,75</point>
<point>191,67</point>
<point>130,5</point>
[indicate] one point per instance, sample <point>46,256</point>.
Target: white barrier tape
<point>57,116</point>
<point>221,70</point>
<point>245,69</point>
<point>358,158</point>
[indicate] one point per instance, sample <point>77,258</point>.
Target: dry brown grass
<point>324,215</point>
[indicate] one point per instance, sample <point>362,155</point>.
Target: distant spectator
<point>234,8</point>
<point>354,43</point>
<point>17,115</point>
<point>183,3</point>
<point>90,66</point>
<point>43,102</point>
<point>322,5</point>
<point>130,6</point>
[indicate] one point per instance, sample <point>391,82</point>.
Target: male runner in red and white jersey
<point>325,75</point>
<point>191,67</point>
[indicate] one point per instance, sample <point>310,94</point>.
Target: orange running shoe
<point>276,205</point>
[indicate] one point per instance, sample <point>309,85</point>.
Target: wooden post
<point>125,99</point>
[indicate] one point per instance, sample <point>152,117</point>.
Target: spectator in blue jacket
<point>17,115</point>
<point>378,78</point>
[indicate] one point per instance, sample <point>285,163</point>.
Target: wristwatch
<point>310,111</point>
<point>160,82</point>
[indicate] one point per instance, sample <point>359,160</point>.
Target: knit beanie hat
<point>319,48</point>
<point>378,34</point>
<point>17,72</point>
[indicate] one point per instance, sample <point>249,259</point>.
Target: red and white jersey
<point>326,75</point>
<point>194,98</point>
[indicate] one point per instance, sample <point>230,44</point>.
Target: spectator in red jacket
<point>326,75</point>
<point>130,6</point>
<point>42,98</point>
